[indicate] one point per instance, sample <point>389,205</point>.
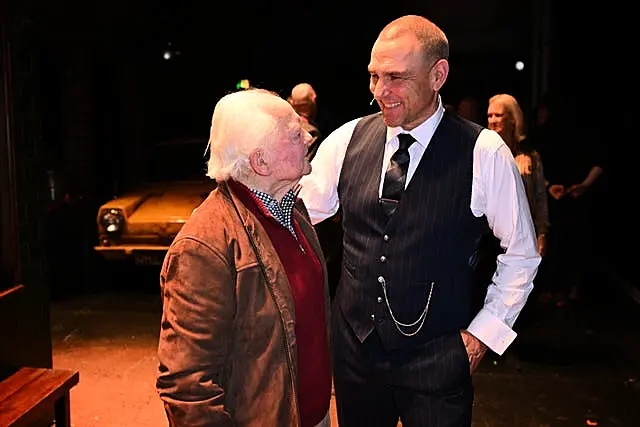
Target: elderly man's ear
<point>258,162</point>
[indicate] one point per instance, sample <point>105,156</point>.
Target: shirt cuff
<point>493,333</point>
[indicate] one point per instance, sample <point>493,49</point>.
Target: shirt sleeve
<point>319,189</point>
<point>498,193</point>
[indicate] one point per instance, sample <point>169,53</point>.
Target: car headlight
<point>112,220</point>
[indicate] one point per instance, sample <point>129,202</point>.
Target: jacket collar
<point>258,235</point>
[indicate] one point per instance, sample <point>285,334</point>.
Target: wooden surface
<point>27,396</point>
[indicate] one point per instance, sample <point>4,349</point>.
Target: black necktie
<point>396,175</point>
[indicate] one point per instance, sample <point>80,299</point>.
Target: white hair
<point>242,121</point>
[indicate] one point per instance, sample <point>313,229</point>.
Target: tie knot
<point>405,141</point>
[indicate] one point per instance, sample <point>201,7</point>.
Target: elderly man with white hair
<point>244,332</point>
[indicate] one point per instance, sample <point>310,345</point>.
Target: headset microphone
<point>372,101</point>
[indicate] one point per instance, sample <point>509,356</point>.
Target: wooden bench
<point>31,395</point>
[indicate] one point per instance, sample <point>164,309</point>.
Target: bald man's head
<point>433,41</point>
<point>303,100</point>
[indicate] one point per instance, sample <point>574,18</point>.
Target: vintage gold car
<point>141,223</point>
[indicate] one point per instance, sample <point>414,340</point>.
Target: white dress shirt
<point>497,192</point>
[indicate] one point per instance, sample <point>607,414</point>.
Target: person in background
<point>504,116</point>
<point>417,187</point>
<point>574,160</point>
<point>468,108</point>
<point>244,333</point>
<point>303,100</point>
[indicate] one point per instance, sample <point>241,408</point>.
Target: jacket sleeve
<point>198,304</point>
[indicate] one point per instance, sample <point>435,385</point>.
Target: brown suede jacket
<point>227,349</point>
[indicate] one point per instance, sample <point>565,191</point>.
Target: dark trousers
<point>428,385</point>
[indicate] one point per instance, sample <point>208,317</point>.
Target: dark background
<point>106,59</point>
<point>102,91</point>
<point>273,44</point>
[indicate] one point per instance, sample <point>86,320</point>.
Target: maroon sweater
<point>304,272</point>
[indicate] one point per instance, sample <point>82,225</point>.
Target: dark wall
<point>25,336</point>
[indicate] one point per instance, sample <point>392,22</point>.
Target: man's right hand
<point>475,349</point>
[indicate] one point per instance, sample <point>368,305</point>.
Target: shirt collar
<point>423,132</point>
<point>282,211</point>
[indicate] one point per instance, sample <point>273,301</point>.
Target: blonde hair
<point>241,122</point>
<point>513,110</point>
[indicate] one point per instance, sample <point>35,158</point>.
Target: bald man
<point>303,101</point>
<point>417,187</point>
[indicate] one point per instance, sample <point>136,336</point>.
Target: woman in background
<point>504,116</point>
